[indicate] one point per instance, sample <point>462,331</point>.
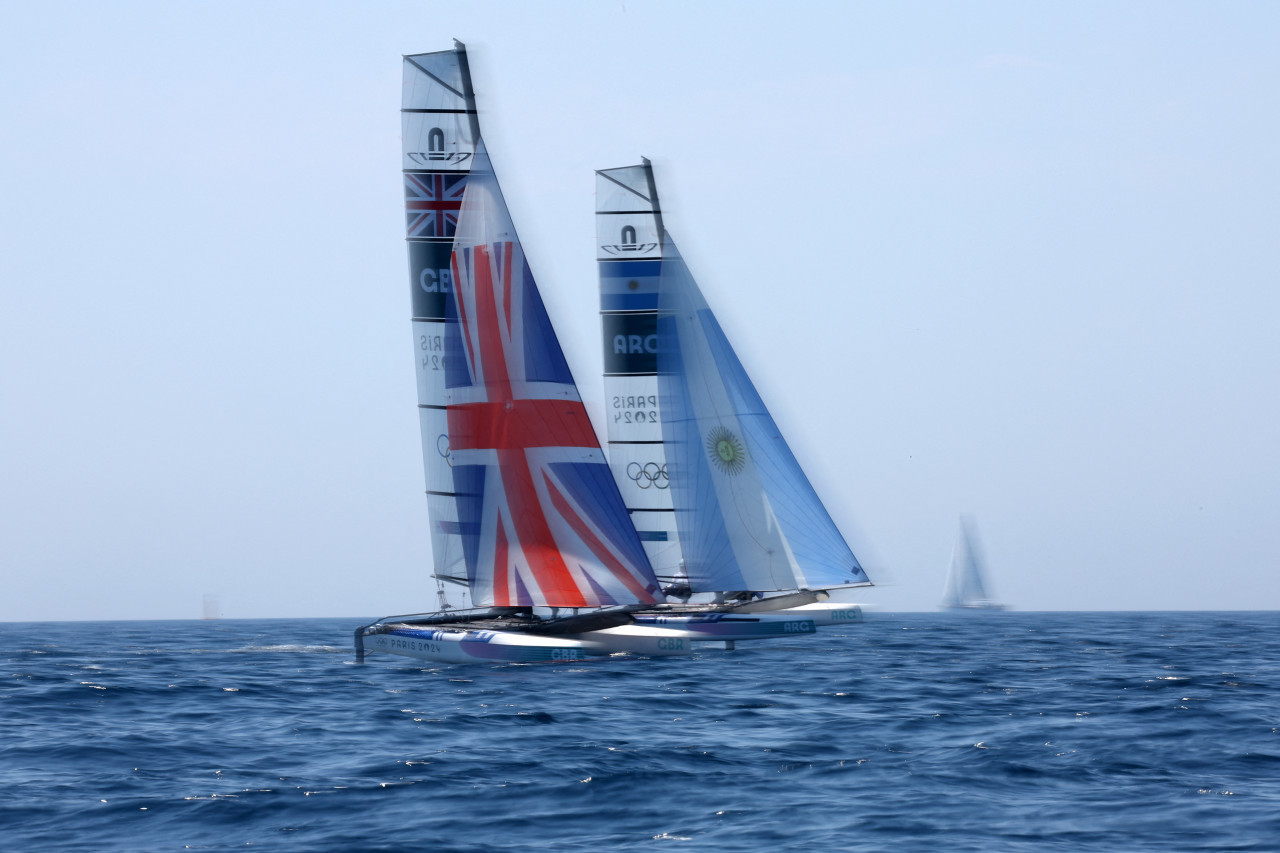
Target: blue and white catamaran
<point>523,509</point>
<point>556,554</point>
<point>731,524</point>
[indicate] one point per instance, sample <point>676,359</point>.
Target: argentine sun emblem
<point>726,451</point>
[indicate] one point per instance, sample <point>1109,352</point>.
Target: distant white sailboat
<point>966,588</point>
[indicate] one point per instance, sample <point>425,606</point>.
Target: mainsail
<point>541,518</point>
<point>747,516</point>
<point>629,256</point>
<point>440,132</point>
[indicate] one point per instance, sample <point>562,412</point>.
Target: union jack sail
<point>541,518</point>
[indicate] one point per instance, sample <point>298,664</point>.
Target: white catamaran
<point>966,588</point>
<point>556,553</point>
<point>731,524</point>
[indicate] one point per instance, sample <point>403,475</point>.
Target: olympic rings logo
<point>442,447</point>
<point>649,474</point>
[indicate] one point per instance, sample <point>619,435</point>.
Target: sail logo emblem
<point>726,451</point>
<point>431,158</point>
<point>435,152</point>
<point>627,243</point>
<point>442,447</point>
<point>651,474</point>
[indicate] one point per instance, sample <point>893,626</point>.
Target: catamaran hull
<point>790,622</point>
<point>459,646</point>
<point>825,613</point>
<point>649,635</point>
<point>651,641</point>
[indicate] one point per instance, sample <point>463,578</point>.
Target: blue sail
<point>747,516</point>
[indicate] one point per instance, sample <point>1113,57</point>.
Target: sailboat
<point>556,553</point>
<point>730,522</point>
<point>966,589</point>
<point>524,511</point>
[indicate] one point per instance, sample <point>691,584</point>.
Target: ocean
<point>909,732</point>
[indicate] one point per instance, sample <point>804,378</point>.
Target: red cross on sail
<point>542,519</point>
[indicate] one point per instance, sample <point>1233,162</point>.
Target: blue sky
<point>1012,259</point>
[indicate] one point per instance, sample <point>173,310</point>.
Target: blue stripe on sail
<point>468,483</point>
<point>628,302</point>
<point>816,543</point>
<point>652,535</point>
<point>544,360</point>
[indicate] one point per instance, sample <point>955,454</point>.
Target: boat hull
<point>722,625</point>
<point>650,634</point>
<point>451,645</point>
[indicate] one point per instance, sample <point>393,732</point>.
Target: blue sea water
<point>910,732</point>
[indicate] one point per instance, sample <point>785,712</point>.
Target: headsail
<point>440,132</point>
<point>748,517</point>
<point>541,517</point>
<point>629,255</point>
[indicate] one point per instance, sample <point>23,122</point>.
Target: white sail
<point>628,251</point>
<point>966,587</point>
<point>440,133</point>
